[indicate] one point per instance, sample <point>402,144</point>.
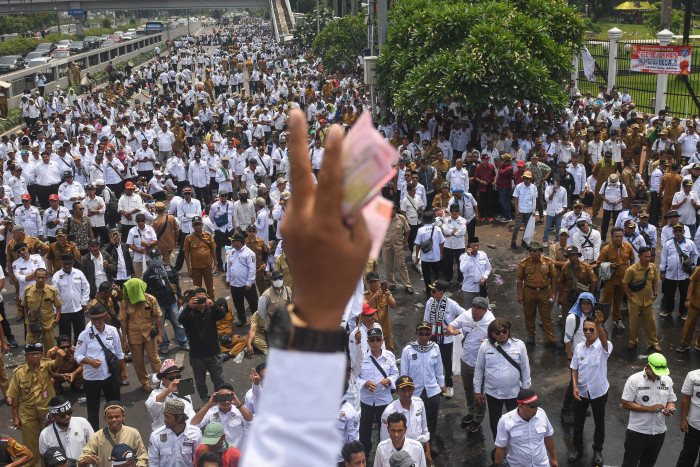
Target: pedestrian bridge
<point>281,9</point>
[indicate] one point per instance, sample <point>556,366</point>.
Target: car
<point>38,61</point>
<point>65,43</point>
<point>36,54</point>
<point>10,63</point>
<point>46,46</point>
<point>115,37</point>
<point>92,42</point>
<point>103,38</point>
<point>108,43</point>
<point>77,47</point>
<point>118,33</point>
<point>61,53</point>
<point>128,36</point>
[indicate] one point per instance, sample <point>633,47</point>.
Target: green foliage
<point>652,20</point>
<point>21,46</point>
<point>306,30</point>
<point>58,37</point>
<point>12,24</point>
<point>14,119</point>
<point>303,6</point>
<point>341,42</point>
<point>98,32</point>
<point>590,26</point>
<point>106,23</point>
<point>479,52</point>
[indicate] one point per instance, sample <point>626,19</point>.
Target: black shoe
<point>409,290</point>
<point>513,246</point>
<point>127,358</point>
<point>13,343</point>
<point>575,455</point>
<point>530,340</point>
<point>597,457</point>
<point>473,426</point>
<point>524,245</point>
<point>225,356</point>
<point>554,345</point>
<point>19,319</point>
<point>567,418</point>
<point>466,420</point>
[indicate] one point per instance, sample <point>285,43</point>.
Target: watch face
<point>280,325</point>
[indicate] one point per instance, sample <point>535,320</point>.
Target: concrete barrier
<point>93,61</point>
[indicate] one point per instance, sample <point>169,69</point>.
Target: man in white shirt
<point>145,157</point>
<point>525,196</point>
<point>432,252</point>
<point>454,229</point>
<point>70,191</point>
<point>556,198</point>
<point>613,194</point>
<point>412,207</point>
<point>130,203</point>
<point>72,434</point>
<point>587,241</point>
<point>411,407</point>
<point>690,419</point>
<point>589,376</point>
<point>74,290</point>
<point>140,240</point>
<point>458,176</point>
<point>399,447</point>
<point>687,202</point>
<point>187,209</point>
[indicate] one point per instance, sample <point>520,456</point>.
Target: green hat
<point>657,363</point>
<point>535,246</point>
<point>212,433</point>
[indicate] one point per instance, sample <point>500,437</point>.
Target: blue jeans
<point>556,220</point>
<point>172,312</point>
<point>504,201</point>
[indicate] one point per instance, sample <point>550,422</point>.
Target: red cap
<point>129,185</point>
<point>367,310</point>
<point>50,197</point>
<point>26,196</point>
<point>485,156</point>
<point>521,163</point>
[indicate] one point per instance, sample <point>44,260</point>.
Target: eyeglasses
<point>588,329</point>
<point>424,334</point>
<point>374,339</point>
<point>498,332</point>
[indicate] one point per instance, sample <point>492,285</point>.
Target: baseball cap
<point>54,457</point>
<point>521,163</point>
<point>368,310</point>
<point>276,274</point>
<point>657,363</point>
<point>374,332</point>
<point>212,433</point>
<point>528,397</point>
<point>129,185</point>
<point>405,382</point>
<point>121,454</point>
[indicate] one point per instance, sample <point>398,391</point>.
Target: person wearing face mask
<point>277,294</point>
<point>67,431</point>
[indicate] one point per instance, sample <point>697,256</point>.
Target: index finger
<point>330,178</point>
<point>299,163</point>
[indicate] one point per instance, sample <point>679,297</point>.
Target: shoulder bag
<point>509,358</point>
<point>427,246</point>
<point>381,370</point>
<point>686,263</point>
<point>637,286</point>
<point>113,364</point>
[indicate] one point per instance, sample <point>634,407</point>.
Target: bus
<point>154,27</point>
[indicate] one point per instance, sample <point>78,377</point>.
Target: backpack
<point>112,215</point>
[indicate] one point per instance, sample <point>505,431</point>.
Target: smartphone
<point>604,308</point>
<point>185,387</point>
<point>223,397</point>
<point>384,286</point>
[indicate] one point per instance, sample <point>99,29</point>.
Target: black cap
<point>528,397</point>
<point>197,220</point>
<point>67,258</point>
<point>67,174</point>
<point>238,237</point>
<point>104,287</point>
<point>372,276</point>
<point>374,332</point>
<point>54,457</point>
<point>97,311</point>
<point>93,241</point>
<point>405,382</point>
<point>439,285</point>
<point>34,347</point>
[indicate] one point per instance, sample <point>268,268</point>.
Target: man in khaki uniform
<point>261,251</point>
<point>30,390</point>
<point>200,256</point>
<point>59,247</point>
<point>641,303</point>
<point>282,265</point>
<point>536,291</point>
<point>585,279</point>
<point>167,231</point>
<point>98,450</point>
<point>256,335</point>
<point>620,255</point>
<point>4,378</point>
<point>42,297</point>
<point>34,245</point>
<point>395,242</point>
<point>633,141</point>
<point>140,317</point>
<point>107,294</point>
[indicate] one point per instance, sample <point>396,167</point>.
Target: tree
<point>106,23</point>
<point>652,20</point>
<point>481,53</point>
<point>306,31</point>
<point>341,42</point>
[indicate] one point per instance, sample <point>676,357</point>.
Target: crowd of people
<point>186,162</point>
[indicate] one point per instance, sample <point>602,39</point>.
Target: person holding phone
<point>225,408</point>
<point>170,376</point>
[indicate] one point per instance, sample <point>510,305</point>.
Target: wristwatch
<point>288,331</point>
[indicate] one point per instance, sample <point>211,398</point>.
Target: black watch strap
<point>285,335</point>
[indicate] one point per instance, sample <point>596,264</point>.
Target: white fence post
<point>574,71</point>
<point>664,38</point>
<point>614,34</point>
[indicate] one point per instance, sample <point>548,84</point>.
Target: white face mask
<point>278,283</point>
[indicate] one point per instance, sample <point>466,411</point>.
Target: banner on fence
<point>661,59</point>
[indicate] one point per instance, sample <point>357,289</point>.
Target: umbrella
<point>302,60</point>
<point>5,84</point>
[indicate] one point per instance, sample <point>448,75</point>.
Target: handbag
<point>427,246</point>
<point>636,286</point>
<point>113,364</point>
<point>222,220</point>
<point>686,263</point>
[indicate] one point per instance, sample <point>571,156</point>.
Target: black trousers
<point>668,301</point>
<point>180,260</point>
<point>75,320</point>
<point>432,408</point>
<point>495,410</point>
<point>43,192</point>
<point>369,415</point>
<point>429,269</point>
<point>598,409</point>
<point>654,208</point>
<point>214,366</point>
<point>238,295</point>
<point>642,450</point>
<point>606,222</point>
<point>93,389</point>
<point>569,400</point>
<point>5,324</point>
<point>221,239</point>
<point>412,232</point>
<point>125,229</point>
<point>487,202</point>
<point>446,356</point>
<point>691,445</point>
<point>449,257</point>
<point>102,234</point>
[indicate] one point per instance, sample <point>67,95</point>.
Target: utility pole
<point>686,22</point>
<point>666,6</point>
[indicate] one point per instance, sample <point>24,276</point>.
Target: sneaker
<point>163,350</point>
<point>697,347</point>
<point>619,325</point>
<point>467,419</point>
<point>684,317</point>
<point>683,348</point>
<point>664,314</point>
<point>185,347</point>
<point>13,342</point>
<point>473,426</point>
<point>450,392</point>
<point>513,246</point>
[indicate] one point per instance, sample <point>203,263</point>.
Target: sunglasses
<point>424,334</point>
<point>498,332</point>
<point>374,339</point>
<point>588,329</point>
<point>172,378</point>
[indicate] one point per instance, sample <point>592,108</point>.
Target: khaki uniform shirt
<point>623,257</point>
<point>636,273</point>
<point>56,250</point>
<point>200,248</point>
<point>168,239</point>
<point>440,168</point>
<point>68,364</point>
<point>536,273</point>
<point>395,234</point>
<point>634,141</point>
<point>140,318</point>
<point>258,247</point>
<point>111,317</point>
<point>556,253</point>
<point>583,272</point>
<point>32,388</point>
<point>602,172</point>
<point>45,299</point>
<point>100,446</point>
<point>281,264</point>
<point>670,185</point>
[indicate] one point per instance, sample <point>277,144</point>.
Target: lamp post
<point>318,18</point>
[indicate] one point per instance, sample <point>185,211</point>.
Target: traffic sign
<point>76,12</point>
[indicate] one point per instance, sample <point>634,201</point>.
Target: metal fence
<point>679,100</point>
<point>641,86</point>
<point>598,49</point>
